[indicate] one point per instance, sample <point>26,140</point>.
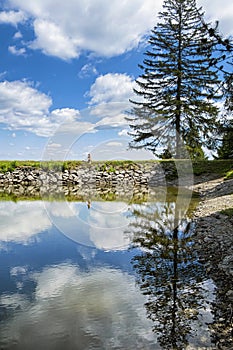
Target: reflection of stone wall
<point>93,174</point>
<point>75,192</point>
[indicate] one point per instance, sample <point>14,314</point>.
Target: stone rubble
<point>214,242</point>
<point>136,174</point>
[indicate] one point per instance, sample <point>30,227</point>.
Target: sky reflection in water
<point>68,276</point>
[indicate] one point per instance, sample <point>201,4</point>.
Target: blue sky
<point>67,71</point>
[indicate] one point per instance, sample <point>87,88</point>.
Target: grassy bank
<point>218,167</point>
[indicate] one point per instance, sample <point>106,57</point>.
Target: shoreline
<point>213,239</point>
<point>216,194</point>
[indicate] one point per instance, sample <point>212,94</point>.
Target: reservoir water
<point>102,272</point>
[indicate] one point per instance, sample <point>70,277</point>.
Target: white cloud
<point>18,35</point>
<point>114,144</point>
<point>87,70</point>
<point>54,145</point>
<point>123,132</point>
<point>3,74</point>
<point>65,114</point>
<point>109,98</point>
<point>106,28</point>
<point>216,10</point>
<point>12,17</point>
<point>112,120</point>
<point>24,107</point>
<point>53,41</point>
<point>15,51</point>
<point>118,149</point>
<point>111,88</point>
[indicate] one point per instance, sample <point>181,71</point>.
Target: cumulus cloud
<point>15,51</point>
<point>106,28</point>
<point>111,88</point>
<point>123,132</point>
<point>118,149</point>
<point>109,99</point>
<point>87,70</point>
<point>18,35</point>
<point>12,17</point>
<point>102,27</point>
<point>114,144</point>
<point>65,114</point>
<point>53,41</point>
<point>24,107</point>
<point>215,10</point>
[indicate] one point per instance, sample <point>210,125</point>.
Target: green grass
<point>229,175</point>
<point>219,167</point>
<point>8,165</point>
<point>228,212</point>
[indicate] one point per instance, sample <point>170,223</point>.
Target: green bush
<point>228,212</point>
<point>220,167</point>
<point>229,175</point>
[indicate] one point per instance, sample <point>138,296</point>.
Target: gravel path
<point>216,195</point>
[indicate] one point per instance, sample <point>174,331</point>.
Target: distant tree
<point>166,154</point>
<point>225,151</point>
<point>179,84</point>
<point>196,153</point>
<point>228,92</point>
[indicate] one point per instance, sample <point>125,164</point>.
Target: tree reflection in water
<point>168,272</point>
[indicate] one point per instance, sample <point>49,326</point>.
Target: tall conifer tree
<point>177,89</point>
<point>225,151</point>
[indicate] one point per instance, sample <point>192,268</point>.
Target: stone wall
<point>102,174</point>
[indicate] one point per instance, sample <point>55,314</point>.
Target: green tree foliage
<point>225,151</point>
<point>178,87</point>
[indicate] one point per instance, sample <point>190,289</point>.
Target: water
<point>102,274</point>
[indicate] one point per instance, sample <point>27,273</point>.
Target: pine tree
<point>225,151</point>
<point>177,89</point>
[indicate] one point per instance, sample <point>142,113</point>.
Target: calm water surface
<point>101,275</point>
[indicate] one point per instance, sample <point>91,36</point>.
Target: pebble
<point>215,230</point>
